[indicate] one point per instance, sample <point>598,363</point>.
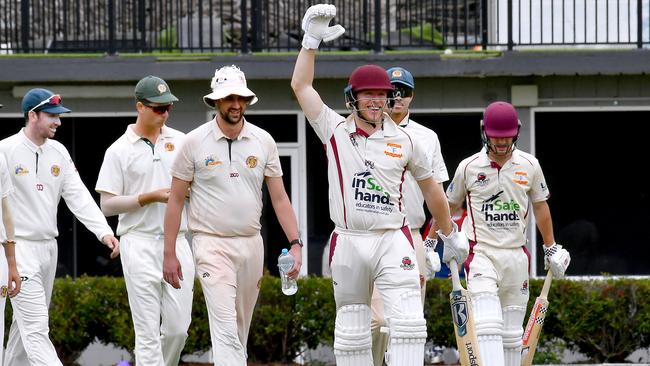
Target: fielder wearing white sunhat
<point>228,80</point>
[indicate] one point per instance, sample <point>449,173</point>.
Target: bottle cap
<point>285,251</point>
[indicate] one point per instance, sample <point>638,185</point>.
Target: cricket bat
<point>463,317</point>
<point>535,323</point>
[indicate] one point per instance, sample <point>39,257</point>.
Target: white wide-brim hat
<point>228,80</point>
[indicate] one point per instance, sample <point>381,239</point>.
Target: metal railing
<point>243,26</point>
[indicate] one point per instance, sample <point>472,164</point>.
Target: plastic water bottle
<point>285,263</point>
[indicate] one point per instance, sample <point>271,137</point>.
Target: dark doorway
<point>601,223</point>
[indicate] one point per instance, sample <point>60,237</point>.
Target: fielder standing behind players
<point>42,172</point>
<point>9,277</point>
<point>225,162</point>
<point>429,263</point>
<point>134,183</point>
<point>368,156</point>
<point>499,184</point>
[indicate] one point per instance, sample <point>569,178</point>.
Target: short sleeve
<point>273,167</point>
<point>183,166</point>
<point>325,123</point>
<point>111,178</point>
<point>419,164</point>
<point>5,180</point>
<point>456,191</point>
<point>538,190</point>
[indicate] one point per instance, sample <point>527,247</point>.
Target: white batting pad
<point>488,324</point>
<point>352,339</point>
<point>513,319</point>
<point>408,332</point>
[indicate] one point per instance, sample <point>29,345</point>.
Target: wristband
<point>296,241</point>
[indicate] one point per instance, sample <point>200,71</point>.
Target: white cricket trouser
<point>380,340</point>
<point>385,258</point>
<point>4,280</point>
<point>151,298</point>
<point>229,269</point>
<point>29,342</point>
<point>503,272</point>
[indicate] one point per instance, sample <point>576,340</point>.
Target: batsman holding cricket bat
<point>501,184</point>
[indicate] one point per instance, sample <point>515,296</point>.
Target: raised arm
<point>315,23</point>
<point>302,84</point>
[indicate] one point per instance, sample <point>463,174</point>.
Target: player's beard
<point>230,117</point>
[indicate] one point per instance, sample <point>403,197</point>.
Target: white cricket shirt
<point>366,173</point>
<point>6,188</point>
<point>227,178</point>
<point>498,199</point>
<point>41,175</point>
<point>413,199</point>
<point>133,166</point>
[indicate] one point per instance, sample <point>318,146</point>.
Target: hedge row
<point>605,320</point>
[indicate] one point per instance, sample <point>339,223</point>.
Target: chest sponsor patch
<point>521,178</point>
<point>369,195</point>
<point>20,170</point>
<point>393,150</point>
<point>211,161</point>
<point>500,214</point>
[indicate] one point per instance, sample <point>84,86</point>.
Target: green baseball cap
<point>152,89</point>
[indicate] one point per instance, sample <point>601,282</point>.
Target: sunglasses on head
<point>161,109</point>
<point>54,99</point>
<point>403,91</point>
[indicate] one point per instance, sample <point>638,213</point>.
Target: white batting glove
<point>456,245</point>
<point>557,259</point>
<point>432,259</point>
<point>315,23</point>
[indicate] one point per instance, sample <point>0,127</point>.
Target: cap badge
<point>162,88</point>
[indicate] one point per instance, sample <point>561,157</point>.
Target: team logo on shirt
<point>407,264</point>
<point>393,150</point>
<point>524,288</point>
<point>20,170</point>
<point>169,147</point>
<point>521,178</point>
<point>251,161</point>
<point>55,170</point>
<point>211,161</point>
<point>481,179</point>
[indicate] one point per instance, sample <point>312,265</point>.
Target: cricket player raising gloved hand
<point>315,23</point>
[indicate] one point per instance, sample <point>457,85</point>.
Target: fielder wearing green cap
<point>152,90</point>
<point>42,172</point>
<point>134,183</point>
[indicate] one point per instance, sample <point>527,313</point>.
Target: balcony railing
<point>243,26</point>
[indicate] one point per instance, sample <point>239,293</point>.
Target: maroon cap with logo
<point>370,77</point>
<point>500,120</point>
